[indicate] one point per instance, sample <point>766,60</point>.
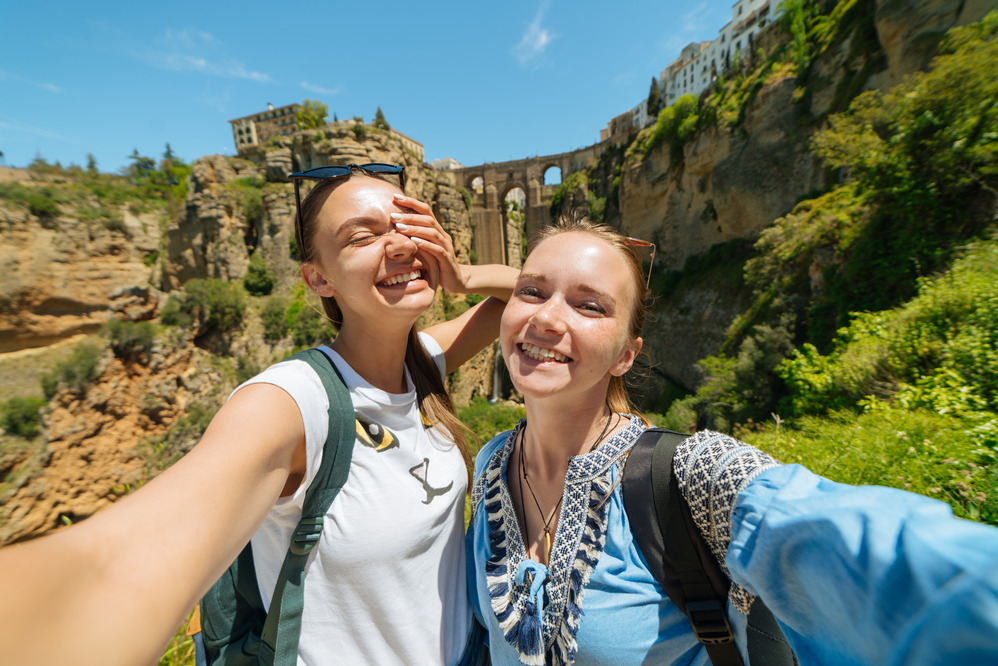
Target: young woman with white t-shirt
<point>386,583</point>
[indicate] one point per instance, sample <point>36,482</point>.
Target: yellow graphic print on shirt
<point>374,435</point>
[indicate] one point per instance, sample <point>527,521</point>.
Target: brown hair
<point>617,397</point>
<point>434,403</point>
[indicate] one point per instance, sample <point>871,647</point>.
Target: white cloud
<point>535,39</point>
<point>311,87</point>
<point>44,85</point>
<point>21,128</point>
<point>192,50</point>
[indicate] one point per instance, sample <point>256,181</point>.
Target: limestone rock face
<point>908,31</point>
<point>732,184</point>
<point>95,449</point>
<point>57,275</point>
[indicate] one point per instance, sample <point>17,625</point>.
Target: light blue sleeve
<point>866,575</point>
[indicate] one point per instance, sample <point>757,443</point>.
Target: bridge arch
<point>493,239</point>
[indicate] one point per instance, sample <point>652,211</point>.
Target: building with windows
<point>699,64</point>
<point>254,130</point>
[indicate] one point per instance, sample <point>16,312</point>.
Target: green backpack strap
<point>687,570</point>
<point>283,625</point>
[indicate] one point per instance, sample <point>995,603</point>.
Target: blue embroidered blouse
<point>853,575</point>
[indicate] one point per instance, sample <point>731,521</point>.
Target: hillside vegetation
<point>870,352</point>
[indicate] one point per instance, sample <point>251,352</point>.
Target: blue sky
<point>474,81</point>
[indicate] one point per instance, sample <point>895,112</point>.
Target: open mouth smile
<point>399,279</point>
<point>541,354</point>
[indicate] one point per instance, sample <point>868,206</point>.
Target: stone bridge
<point>497,229</point>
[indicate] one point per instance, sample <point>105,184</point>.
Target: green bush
<point>216,305</point>
<point>130,338</point>
<point>173,313</point>
<point>936,455</point>
<point>486,420</point>
<point>275,325</point>
<point>20,416</point>
<point>676,125</point>
<point>939,351</point>
<point>259,279</point>
<point>75,372</point>
<point>249,194</point>
<point>308,327</point>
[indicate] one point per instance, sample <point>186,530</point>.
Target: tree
<point>379,120</point>
<point>91,164</point>
<point>311,114</point>
<point>141,167</point>
<point>654,99</point>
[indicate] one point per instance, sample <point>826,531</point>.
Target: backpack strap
<point>688,571</point>
<point>658,515</point>
<point>283,625</point>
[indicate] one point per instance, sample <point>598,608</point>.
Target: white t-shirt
<point>386,584</point>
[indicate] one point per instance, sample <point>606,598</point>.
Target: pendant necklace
<point>548,539</point>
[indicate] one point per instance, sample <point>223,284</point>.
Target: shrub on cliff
<point>75,372</point>
<point>676,125</point>
<point>20,416</point>
<point>212,304</point>
<point>275,325</point>
<point>130,338</point>
<point>259,279</point>
<point>311,113</point>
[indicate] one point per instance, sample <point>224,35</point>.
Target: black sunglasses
<point>338,171</point>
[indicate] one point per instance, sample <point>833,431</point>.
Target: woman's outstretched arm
<point>114,588</point>
<point>853,574</point>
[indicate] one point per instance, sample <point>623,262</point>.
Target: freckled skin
<point>574,296</point>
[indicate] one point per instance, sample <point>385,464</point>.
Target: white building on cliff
<point>699,63</point>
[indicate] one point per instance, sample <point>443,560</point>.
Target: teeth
<point>541,354</point>
<point>407,277</point>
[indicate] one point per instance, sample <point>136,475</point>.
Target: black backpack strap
<point>283,625</point>
<point>687,570</point>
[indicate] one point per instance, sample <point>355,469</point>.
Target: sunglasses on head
<point>339,171</point>
<point>637,242</point>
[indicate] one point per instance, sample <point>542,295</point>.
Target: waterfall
<point>496,374</point>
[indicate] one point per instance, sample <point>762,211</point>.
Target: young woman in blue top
<point>386,582</point>
<point>853,575</point>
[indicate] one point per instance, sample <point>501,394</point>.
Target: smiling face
<point>372,271</point>
<point>566,328</point>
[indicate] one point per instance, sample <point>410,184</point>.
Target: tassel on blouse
<point>529,638</point>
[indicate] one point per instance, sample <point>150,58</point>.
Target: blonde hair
<point>435,405</point>
<point>617,397</point>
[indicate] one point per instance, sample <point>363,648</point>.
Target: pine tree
<point>654,100</point>
<point>379,120</point>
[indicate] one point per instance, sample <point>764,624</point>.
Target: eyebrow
<point>354,222</point>
<point>537,277</point>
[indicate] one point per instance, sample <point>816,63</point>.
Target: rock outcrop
<point>57,275</point>
<point>99,441</point>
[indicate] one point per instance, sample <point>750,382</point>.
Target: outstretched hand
<point>415,219</point>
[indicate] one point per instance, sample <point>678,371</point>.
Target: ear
<point>631,351</point>
<point>316,281</point>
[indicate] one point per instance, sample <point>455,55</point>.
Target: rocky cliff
<point>68,267</point>
<point>63,274</point>
<point>59,273</point>
<point>733,179</point>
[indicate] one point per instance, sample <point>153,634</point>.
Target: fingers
<point>415,219</point>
